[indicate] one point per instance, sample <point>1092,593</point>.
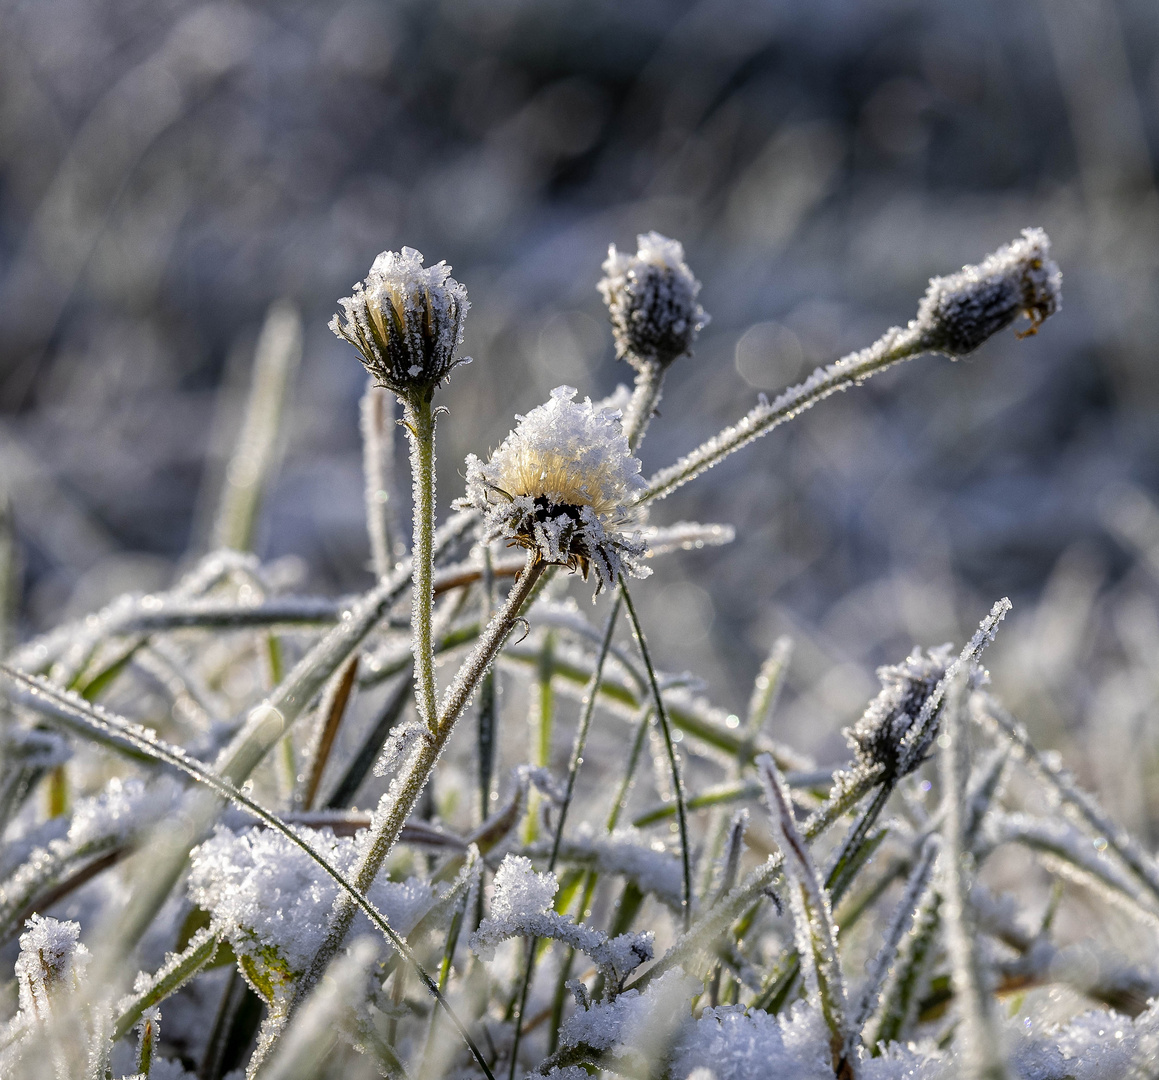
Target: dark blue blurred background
<point>169,169</point>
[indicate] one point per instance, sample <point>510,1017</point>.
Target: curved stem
<point>420,427</point>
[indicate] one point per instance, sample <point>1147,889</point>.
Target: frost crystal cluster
<point>51,961</point>
<point>651,298</point>
<point>959,312</point>
<point>561,485</point>
<point>406,320</point>
<point>879,736</point>
<point>265,897</point>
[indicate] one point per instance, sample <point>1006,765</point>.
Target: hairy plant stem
<point>412,779</point>
<point>375,410</point>
<point>645,398</point>
<point>419,421</point>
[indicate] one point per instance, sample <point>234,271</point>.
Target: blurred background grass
<point>169,170</point>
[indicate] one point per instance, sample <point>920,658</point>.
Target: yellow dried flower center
<point>553,475</point>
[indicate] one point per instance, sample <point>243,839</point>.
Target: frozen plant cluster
<point>277,818</point>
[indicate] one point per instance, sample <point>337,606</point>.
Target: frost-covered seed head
<point>651,298</point>
<point>878,736</point>
<point>406,320</point>
<point>560,485</point>
<point>51,960</point>
<point>959,312</point>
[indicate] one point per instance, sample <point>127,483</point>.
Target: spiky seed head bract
<point>959,312</point>
<point>406,320</point>
<point>651,298</point>
<point>560,484</point>
<point>878,738</point>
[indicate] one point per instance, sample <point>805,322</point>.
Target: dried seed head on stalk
<point>959,312</point>
<point>878,738</point>
<point>559,485</point>
<point>651,298</point>
<point>406,320</point>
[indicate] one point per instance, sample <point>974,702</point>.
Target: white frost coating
<point>521,906</point>
<point>959,312</point>
<point>270,900</point>
<point>559,485</point>
<point>632,854</point>
<point>406,320</point>
<point>51,960</point>
<point>619,1024</point>
<point>878,736</point>
<point>99,823</point>
<point>651,298</point>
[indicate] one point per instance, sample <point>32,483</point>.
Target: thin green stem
<point>419,422</point>
<point>670,748</point>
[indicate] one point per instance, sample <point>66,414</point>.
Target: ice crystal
<point>521,906</point>
<point>633,1017</point>
<point>559,485</point>
<point>269,899</point>
<point>959,312</point>
<point>651,298</point>
<point>406,321</point>
<point>878,737</point>
<point>51,960</point>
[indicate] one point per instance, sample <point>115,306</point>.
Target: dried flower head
<point>560,485</point>
<point>961,311</point>
<point>651,298</point>
<point>879,737</point>
<point>406,320</point>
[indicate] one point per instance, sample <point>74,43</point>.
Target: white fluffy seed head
<point>651,298</point>
<point>560,484</point>
<point>959,312</point>
<point>406,320</point>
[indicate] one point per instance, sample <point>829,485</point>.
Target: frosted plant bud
<point>560,485</point>
<point>877,738</point>
<point>651,298</point>
<point>406,320</point>
<point>961,311</point>
<point>51,960</point>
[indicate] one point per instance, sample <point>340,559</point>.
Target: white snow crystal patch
<point>623,1022</point>
<point>521,906</point>
<point>273,902</point>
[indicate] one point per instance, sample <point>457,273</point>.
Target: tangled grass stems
<point>53,702</point>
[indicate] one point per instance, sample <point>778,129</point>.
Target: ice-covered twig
<point>957,314</point>
<point>980,1042</point>
<point>903,918</point>
<point>812,922</point>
